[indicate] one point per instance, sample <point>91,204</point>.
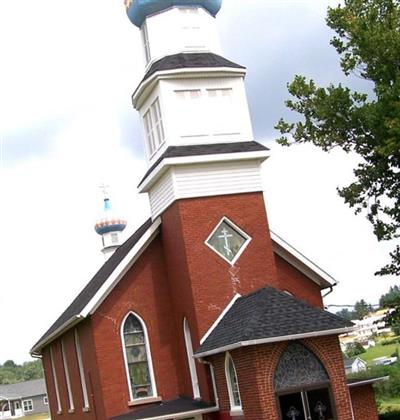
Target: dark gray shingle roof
<point>97,281</point>
<point>167,408</point>
<point>23,389</point>
<point>268,314</point>
<point>189,60</point>
<point>206,149</point>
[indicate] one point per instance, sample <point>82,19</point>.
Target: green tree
<point>368,42</point>
<point>362,309</point>
<point>346,314</point>
<point>354,349</point>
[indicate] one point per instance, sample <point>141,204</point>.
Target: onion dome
<point>109,222</point>
<point>138,10</point>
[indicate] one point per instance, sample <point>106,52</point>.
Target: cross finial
<point>104,188</point>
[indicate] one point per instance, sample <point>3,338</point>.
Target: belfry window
<point>232,382</point>
<point>154,127</point>
<point>137,357</point>
<point>302,386</point>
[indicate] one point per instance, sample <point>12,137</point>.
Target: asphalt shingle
<point>269,314</point>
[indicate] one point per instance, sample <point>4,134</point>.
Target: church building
<point>203,313</point>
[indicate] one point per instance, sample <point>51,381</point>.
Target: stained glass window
<point>136,358</point>
<point>233,386</point>
<point>299,367</point>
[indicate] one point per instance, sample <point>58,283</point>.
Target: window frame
<point>146,43</point>
<point>79,357</point>
<point>148,356</point>
<point>241,232</point>
<point>236,409</point>
<point>46,400</point>
<point>30,402</point>
<point>154,127</point>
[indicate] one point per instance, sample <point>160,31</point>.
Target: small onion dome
<point>109,222</point>
<point>138,10</point>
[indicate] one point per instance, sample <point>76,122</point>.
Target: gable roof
<point>206,149</point>
<point>301,262</point>
<point>269,315</point>
<point>23,389</point>
<point>189,60</point>
<point>348,361</point>
<point>99,286</point>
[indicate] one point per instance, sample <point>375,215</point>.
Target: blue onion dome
<point>138,10</point>
<point>109,222</point>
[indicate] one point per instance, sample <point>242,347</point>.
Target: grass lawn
<point>378,351</point>
<point>393,404</point>
<point>38,417</point>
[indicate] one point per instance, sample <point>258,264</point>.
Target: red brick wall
<point>255,367</point>
<point>297,283</point>
<point>202,283</point>
<point>208,280</point>
<point>364,405</point>
<point>145,291</point>
<point>96,410</point>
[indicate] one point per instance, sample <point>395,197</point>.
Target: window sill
<point>85,409</point>
<point>59,412</point>
<point>236,412</point>
<point>147,400</point>
<point>71,411</point>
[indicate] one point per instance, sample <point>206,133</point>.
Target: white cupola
<point>109,226</point>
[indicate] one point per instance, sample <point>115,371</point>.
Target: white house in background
<point>354,365</point>
<point>371,324</point>
<point>23,399</point>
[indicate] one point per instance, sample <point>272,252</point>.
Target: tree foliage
<point>391,300</point>
<point>361,309</point>
<point>11,372</point>
<point>368,42</point>
<point>354,349</point>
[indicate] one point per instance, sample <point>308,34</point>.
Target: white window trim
<point>146,43</point>
<point>67,378</point>
<point>148,355</point>
<point>30,402</point>
<point>55,380</point>
<point>236,409</point>
<point>154,124</point>
<point>191,360</point>
<point>240,231</point>
<point>45,400</point>
<point>78,349</point>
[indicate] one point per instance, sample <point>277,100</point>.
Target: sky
<point>67,125</point>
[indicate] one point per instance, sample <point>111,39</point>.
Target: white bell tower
<point>193,106</point>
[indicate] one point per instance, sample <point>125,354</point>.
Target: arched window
<point>232,382</point>
<point>302,385</point>
<point>137,358</point>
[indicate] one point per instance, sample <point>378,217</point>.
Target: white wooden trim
<point>184,415</point>
<point>234,227</point>
<point>301,262</point>
<point>222,314</point>
<point>191,361</point>
<point>234,408</point>
<point>148,355</point>
<point>239,344</point>
<point>121,269</point>
<point>174,73</point>
<point>81,370</point>
<point>187,160</point>
<point>368,381</point>
<point>107,287</point>
<point>55,380</point>
<point>67,377</point>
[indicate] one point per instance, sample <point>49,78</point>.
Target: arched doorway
<point>302,386</point>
